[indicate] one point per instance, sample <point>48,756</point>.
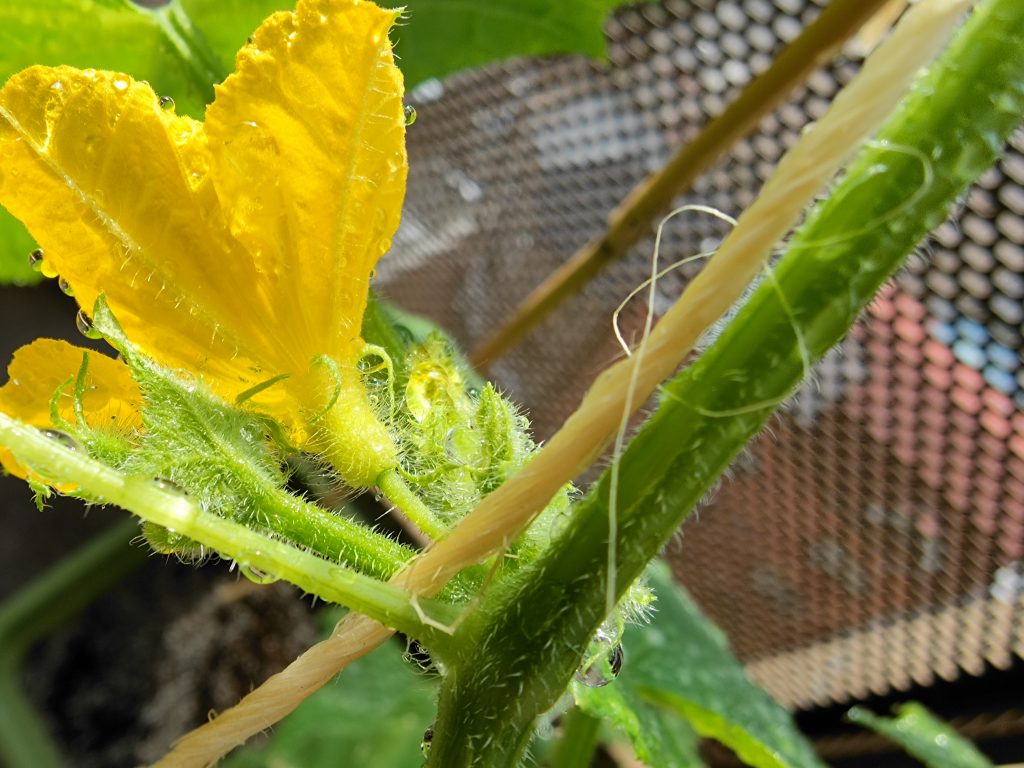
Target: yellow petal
<point>305,163</point>
<point>242,249</point>
<point>115,190</point>
<point>112,399</point>
<point>307,141</point>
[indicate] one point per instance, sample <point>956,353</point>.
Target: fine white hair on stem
<point>651,283</point>
<point>801,174</point>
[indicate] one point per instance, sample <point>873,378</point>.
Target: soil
<point>152,658</point>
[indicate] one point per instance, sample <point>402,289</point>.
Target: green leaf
<point>924,736</point>
<point>444,36</point>
<point>374,714</point>
<point>660,738</point>
<point>680,666</point>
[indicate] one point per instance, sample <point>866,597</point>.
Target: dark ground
<point>150,659</point>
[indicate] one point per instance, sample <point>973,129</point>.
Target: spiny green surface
<point>680,677</point>
<point>532,631</point>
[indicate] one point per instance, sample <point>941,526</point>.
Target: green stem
<point>522,644</point>
<point>579,740</point>
<point>37,610</point>
<point>250,549</point>
<point>330,536</point>
<point>412,506</point>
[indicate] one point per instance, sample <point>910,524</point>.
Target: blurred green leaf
<point>660,738</point>
<point>374,714</point>
<point>682,663</point>
<point>923,735</point>
<point>442,37</point>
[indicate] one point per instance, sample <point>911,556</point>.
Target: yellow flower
<point>111,400</point>
<point>239,248</point>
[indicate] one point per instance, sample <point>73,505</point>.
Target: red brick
<point>908,306</point>
<point>968,378</point>
<point>998,402</point>
<point>966,400</point>
<point>996,425</point>
<point>938,353</point>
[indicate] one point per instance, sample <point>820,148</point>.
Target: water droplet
<point>168,485</point>
<point>166,103</point>
<point>428,739</point>
<point>66,286</point>
<point>66,440</point>
<point>410,114</point>
<point>255,575</point>
<point>35,259</point>
<point>84,325</point>
<point>600,673</point>
<point>120,84</point>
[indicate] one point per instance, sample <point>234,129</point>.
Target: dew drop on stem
<point>598,674</point>
<point>168,485</point>
<point>428,739</point>
<point>63,438</point>
<point>255,575</point>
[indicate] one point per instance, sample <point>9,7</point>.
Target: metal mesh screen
<point>875,538</point>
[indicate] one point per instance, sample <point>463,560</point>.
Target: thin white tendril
<point>448,629</point>
<point>620,436</point>
<point>927,179</point>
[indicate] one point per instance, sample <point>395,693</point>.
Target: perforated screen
<point>875,538</point>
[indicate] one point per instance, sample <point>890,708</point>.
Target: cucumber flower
<point>238,249</point>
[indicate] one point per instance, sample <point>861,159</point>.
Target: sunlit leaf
<point>924,736</point>
<point>682,663</point>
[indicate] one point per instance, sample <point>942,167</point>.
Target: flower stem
<point>329,535</point>
<point>250,549</point>
<point>412,506</point>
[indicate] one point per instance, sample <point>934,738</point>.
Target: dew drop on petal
<point>597,675</point>
<point>65,286</point>
<point>410,114</point>
<point>35,259</point>
<point>84,325</point>
<point>65,440</point>
<point>166,103</point>
<point>120,84</point>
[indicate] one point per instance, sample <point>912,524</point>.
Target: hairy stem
<point>529,633</point>
<point>250,549</point>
